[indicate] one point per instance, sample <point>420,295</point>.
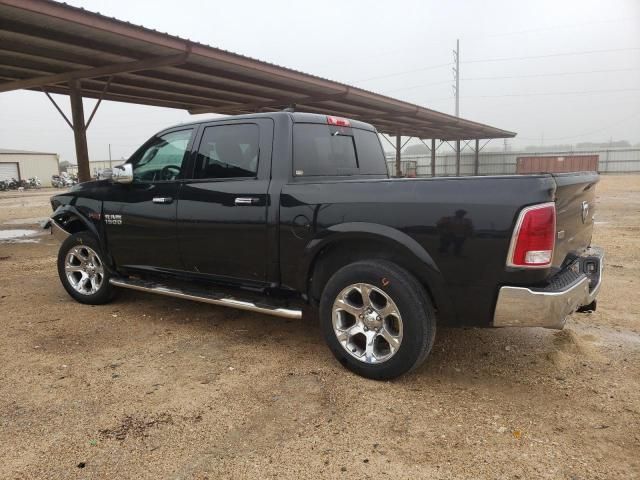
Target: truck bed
<point>464,225</point>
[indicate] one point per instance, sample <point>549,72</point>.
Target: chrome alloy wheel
<point>367,323</point>
<point>84,270</point>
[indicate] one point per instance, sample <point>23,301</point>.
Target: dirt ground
<point>153,387</point>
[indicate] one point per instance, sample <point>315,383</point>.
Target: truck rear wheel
<point>377,319</point>
<point>82,270</point>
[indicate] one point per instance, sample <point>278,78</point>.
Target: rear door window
<point>328,150</point>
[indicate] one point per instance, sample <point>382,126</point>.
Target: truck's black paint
<point>285,241</point>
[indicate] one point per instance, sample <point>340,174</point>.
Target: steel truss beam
<point>126,67</point>
<point>78,124</point>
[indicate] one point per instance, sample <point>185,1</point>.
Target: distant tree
<point>610,144</point>
<point>64,165</point>
<point>417,149</point>
<point>548,148</point>
<point>493,149</point>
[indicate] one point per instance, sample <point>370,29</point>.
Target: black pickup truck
<point>284,212</point>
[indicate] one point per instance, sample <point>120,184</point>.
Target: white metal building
<point>95,166</point>
<point>22,165</point>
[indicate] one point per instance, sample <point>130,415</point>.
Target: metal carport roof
<point>58,48</point>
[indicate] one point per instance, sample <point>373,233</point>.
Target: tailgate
<point>575,205</point>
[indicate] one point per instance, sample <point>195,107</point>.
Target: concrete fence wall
<point>618,160</point>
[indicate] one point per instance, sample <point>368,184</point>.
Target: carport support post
<point>398,155</point>
<point>457,158</point>
<point>79,131</point>
<point>476,160</point>
<point>433,157</point>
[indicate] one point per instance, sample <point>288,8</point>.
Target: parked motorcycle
<point>56,181</point>
<point>34,182</point>
<point>64,180</point>
<point>71,180</point>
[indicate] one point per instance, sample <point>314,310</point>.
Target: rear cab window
<point>321,150</point>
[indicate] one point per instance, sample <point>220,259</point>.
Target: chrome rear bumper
<point>548,307</point>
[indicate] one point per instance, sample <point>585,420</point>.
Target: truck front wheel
<point>82,270</point>
<point>377,319</point>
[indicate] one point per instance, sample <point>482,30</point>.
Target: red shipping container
<point>557,164</point>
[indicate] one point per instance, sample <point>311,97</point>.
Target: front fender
<point>422,264</point>
<point>65,215</point>
<point>65,218</point>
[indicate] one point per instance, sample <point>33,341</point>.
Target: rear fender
<point>422,264</point>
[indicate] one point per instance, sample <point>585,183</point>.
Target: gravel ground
<point>153,387</point>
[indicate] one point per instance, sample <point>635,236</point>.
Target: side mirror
<point>105,174</point>
<point>122,173</point>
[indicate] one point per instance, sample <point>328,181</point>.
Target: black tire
<point>105,292</point>
<point>410,298</point>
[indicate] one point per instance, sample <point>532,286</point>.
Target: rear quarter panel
<point>464,225</point>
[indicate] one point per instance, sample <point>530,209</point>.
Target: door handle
<point>240,201</point>
<point>162,199</point>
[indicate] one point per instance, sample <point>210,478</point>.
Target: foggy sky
<point>564,96</point>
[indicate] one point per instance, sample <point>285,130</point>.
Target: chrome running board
<point>213,298</point>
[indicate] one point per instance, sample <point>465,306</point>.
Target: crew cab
<point>286,212</point>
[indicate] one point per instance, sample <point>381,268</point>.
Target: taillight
<point>534,237</point>
<point>338,121</point>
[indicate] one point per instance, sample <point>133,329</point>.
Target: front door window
<point>163,158</point>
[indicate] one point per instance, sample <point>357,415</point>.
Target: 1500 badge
<point>113,219</point>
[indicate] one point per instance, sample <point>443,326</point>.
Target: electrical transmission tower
<point>456,76</point>
<point>456,90</point>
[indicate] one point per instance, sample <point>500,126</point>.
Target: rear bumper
<point>548,307</point>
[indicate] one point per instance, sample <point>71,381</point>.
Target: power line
<point>589,132</point>
<point>552,74</point>
<point>563,54</point>
<point>537,94</point>
<point>503,59</point>
<point>431,67</point>
<point>419,86</point>
<point>540,94</point>
<point>535,75</point>
<point>476,37</point>
<point>556,27</point>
